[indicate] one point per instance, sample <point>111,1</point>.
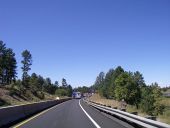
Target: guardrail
<point>14,113</point>
<point>138,120</point>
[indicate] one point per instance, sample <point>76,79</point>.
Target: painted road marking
<point>97,126</point>
<point>26,121</point>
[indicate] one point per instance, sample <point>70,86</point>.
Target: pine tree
<point>27,62</point>
<point>7,64</point>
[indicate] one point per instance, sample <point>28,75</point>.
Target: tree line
<point>7,65</point>
<point>34,82</point>
<point>130,86</point>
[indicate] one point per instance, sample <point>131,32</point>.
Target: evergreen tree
<point>7,64</point>
<point>27,62</point>
<point>64,83</point>
<point>10,66</point>
<point>56,83</point>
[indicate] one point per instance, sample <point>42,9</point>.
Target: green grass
<point>165,118</point>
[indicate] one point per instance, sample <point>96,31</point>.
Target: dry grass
<point>108,102</point>
<point>166,115</point>
<point>165,101</point>
<point>113,103</point>
<point>6,99</point>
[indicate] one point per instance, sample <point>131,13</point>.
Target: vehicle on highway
<point>76,95</point>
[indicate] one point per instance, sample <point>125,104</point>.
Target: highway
<point>72,114</point>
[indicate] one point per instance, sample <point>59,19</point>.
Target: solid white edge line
<point>97,126</point>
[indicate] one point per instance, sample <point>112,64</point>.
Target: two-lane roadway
<point>72,114</point>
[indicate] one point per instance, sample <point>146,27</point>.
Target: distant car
<point>76,95</point>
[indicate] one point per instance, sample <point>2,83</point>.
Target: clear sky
<point>76,39</point>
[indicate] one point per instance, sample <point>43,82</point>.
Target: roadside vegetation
<point>117,85</point>
<point>165,117</point>
<point>29,88</point>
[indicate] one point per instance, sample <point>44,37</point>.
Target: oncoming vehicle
<point>76,95</point>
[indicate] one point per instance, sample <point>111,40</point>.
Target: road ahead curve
<point>72,114</point>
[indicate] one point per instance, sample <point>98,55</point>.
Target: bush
<point>150,102</point>
<point>61,92</point>
<point>40,95</point>
<point>159,108</point>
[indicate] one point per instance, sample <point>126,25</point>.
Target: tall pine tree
<point>27,62</point>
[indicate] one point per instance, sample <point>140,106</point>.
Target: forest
<point>119,84</point>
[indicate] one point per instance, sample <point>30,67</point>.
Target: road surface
<point>72,114</point>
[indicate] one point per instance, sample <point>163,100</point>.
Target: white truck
<point>76,95</point>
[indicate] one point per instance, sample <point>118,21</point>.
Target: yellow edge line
<point>24,122</point>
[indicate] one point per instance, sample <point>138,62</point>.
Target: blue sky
<point>76,39</point>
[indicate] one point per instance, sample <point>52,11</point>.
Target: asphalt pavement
<point>72,114</point>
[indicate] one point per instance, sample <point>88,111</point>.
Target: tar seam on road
<point>24,122</point>
<point>97,126</point>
